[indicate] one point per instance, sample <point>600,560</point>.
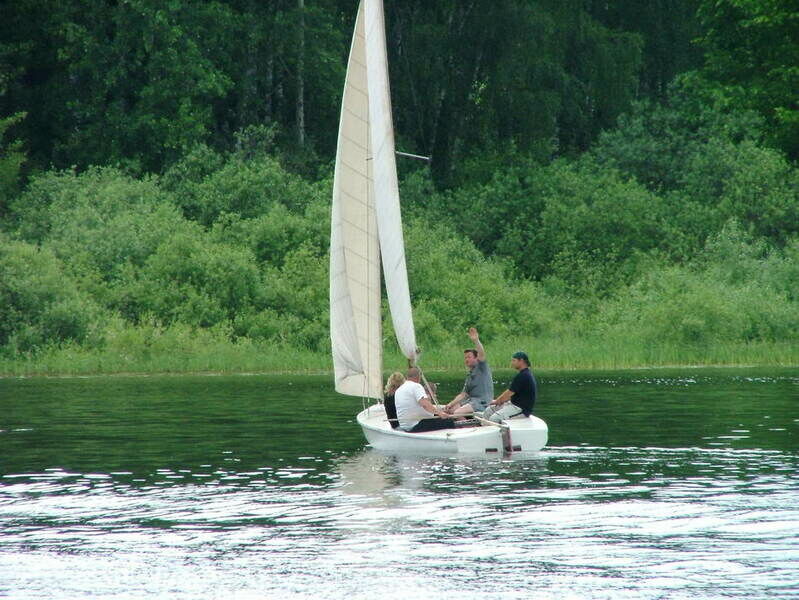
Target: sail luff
<point>386,186</point>
<point>355,317</point>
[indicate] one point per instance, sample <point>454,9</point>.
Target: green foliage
<point>677,306</point>
<point>300,289</point>
<point>454,287</point>
<point>148,77</point>
<point>127,244</point>
<point>734,256</point>
<point>191,169</point>
<point>588,216</point>
<point>482,211</point>
<point>657,143</point>
<point>708,166</point>
<point>581,223</point>
<point>238,188</point>
<point>675,239</point>
<point>247,187</point>
<point>12,157</point>
<point>39,304</point>
<point>668,30</point>
<point>752,60</point>
<point>504,76</point>
<point>97,221</point>
<point>746,182</point>
<point>739,289</point>
<point>138,83</point>
<point>189,280</point>
<point>272,236</point>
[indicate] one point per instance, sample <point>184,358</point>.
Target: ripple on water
<point>583,520</point>
<point>570,525</point>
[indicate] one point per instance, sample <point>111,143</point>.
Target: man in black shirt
<point>519,398</point>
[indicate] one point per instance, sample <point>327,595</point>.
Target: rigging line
<point>428,387</point>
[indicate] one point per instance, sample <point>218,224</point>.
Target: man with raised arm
<point>478,389</point>
<point>415,411</point>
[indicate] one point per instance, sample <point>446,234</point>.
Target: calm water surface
<point>655,485</point>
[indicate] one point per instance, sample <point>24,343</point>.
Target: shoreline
<point>548,355</point>
<point>436,370</point>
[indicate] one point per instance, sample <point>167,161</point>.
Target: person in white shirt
<point>415,411</point>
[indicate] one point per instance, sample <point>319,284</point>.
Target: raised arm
<point>475,337</point>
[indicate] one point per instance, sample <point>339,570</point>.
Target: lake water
<point>655,484</point>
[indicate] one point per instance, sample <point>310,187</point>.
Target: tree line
<point>601,170</point>
<point>138,83</point>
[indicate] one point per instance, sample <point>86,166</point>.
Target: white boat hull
<point>527,434</point>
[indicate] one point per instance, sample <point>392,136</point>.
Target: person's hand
<point>473,335</point>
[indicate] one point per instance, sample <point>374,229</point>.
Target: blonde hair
<point>394,381</point>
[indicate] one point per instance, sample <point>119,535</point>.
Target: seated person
<point>394,381</point>
<point>519,398</point>
<point>478,389</point>
<point>415,410</point>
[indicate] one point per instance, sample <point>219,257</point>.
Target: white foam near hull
<point>527,434</point>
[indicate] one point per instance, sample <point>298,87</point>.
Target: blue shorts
<point>478,404</point>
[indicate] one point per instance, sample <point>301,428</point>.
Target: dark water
<point>655,485</point>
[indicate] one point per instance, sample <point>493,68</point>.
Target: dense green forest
<point>611,183</point>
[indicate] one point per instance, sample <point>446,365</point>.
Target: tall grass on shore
<point>176,349</point>
<point>587,354</point>
<point>178,352</point>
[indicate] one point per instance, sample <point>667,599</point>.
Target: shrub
<point>192,280</point>
<point>98,221</point>
<point>743,181</point>
<point>656,143</point>
<point>247,188</point>
<point>675,305</point>
<point>588,217</point>
<point>55,200</point>
<point>734,256</point>
<point>40,304</point>
<point>272,236</point>
<point>454,286</point>
<point>484,212</point>
<point>12,157</point>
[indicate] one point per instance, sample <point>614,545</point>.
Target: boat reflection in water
<point>384,476</point>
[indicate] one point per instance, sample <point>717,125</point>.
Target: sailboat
<point>366,230</point>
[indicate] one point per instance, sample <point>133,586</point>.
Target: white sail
<point>366,221</point>
<point>386,188</point>
<point>355,319</point>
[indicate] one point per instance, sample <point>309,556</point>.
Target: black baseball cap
<point>521,355</point>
